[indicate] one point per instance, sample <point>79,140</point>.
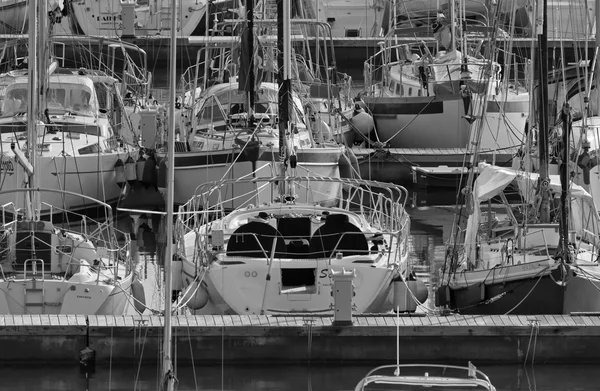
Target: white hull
<point>245,288</point>
<point>104,17</point>
<point>187,179</point>
<point>441,124</point>
<point>313,162</point>
<point>65,297</point>
<point>90,175</point>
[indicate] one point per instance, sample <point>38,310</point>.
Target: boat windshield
<point>73,98</point>
<point>220,106</point>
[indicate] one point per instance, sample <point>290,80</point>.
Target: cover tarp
<point>493,180</point>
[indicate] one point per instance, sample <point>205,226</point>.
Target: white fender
<point>199,298</point>
<point>363,122</point>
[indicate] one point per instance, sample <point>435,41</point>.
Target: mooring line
<point>535,328</point>
<point>308,323</point>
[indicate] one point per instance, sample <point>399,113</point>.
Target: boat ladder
<point>34,287</point>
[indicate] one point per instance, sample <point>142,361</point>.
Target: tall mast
<point>167,364</point>
<point>452,9</point>
<point>251,76</point>
<point>36,66</point>
<point>283,64</point>
<point>543,116</point>
<point>564,183</point>
<point>32,106</point>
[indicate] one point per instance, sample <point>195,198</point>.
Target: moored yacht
<point>278,257</point>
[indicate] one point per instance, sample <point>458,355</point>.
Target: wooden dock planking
<point>252,334</point>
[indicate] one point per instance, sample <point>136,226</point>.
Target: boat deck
<point>507,339</point>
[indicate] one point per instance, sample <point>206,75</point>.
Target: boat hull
<point>522,297</point>
<point>90,175</point>
<point>438,122</point>
<point>314,162</point>
<point>59,297</point>
<point>197,167</point>
<point>105,18</point>
<point>582,293</point>
<point>245,288</point>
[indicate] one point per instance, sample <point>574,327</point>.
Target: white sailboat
<point>278,257</point>
<point>48,268</point>
<point>230,129</point>
<point>88,129</point>
<point>422,91</point>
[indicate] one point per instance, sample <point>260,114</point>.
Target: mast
<point>283,64</point>
<point>452,9</point>
<point>543,116</point>
<point>251,76</point>
<point>247,78</point>
<point>564,183</point>
<point>33,62</point>
<point>167,364</point>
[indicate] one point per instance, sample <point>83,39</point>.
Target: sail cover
<point>492,180</point>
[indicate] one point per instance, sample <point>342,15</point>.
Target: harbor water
<point>283,378</point>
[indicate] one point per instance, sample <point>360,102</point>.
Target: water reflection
<point>276,377</point>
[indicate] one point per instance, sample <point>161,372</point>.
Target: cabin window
<point>298,280</point>
<point>15,101</point>
<point>352,32</point>
<point>410,91</point>
<point>210,113</point>
<point>103,94</point>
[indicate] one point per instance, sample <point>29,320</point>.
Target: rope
<point>192,357</point>
<point>222,357</point>
<point>137,375</point>
<point>535,329</point>
<point>110,355</point>
<point>309,331</point>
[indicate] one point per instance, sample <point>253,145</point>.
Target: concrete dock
<point>213,339</point>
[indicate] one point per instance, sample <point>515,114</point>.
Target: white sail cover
<point>492,180</point>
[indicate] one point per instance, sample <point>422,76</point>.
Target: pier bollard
<point>343,292</point>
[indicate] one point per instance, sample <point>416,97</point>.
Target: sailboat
<point>229,126</point>
<point>539,258</point>
<point>89,129</point>
<point>49,268</point>
<point>422,90</point>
